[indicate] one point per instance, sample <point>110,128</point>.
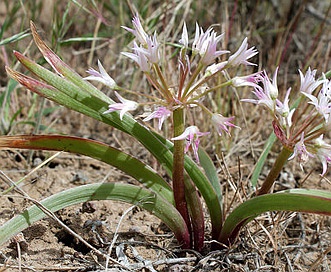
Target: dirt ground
<point>273,242</point>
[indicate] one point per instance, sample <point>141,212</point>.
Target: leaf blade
<point>97,150</point>
<point>132,194</point>
<point>295,200</point>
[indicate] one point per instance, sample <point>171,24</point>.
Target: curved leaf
<point>97,150</point>
<point>74,92</point>
<point>211,172</point>
<point>141,197</point>
<point>295,200</point>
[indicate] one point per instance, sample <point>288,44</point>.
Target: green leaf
<point>97,150</point>
<point>258,167</point>
<point>211,172</point>
<point>295,200</point>
<point>15,37</point>
<point>82,39</point>
<point>77,94</point>
<point>141,197</point>
<point>71,96</point>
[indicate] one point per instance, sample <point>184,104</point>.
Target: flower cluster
<point>300,128</point>
<point>195,70</point>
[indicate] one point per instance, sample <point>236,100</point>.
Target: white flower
<point>101,76</point>
<point>123,107</point>
<point>139,56</point>
<point>323,152</point>
<point>184,39</point>
<point>205,44</point>
<point>243,54</point>
<point>222,123</point>
<point>308,83</point>
<point>192,136</point>
<point>160,113</point>
<point>138,30</point>
<point>322,102</point>
<point>301,152</point>
<point>215,67</point>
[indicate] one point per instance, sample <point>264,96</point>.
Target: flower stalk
<point>178,166</point>
<point>275,170</point>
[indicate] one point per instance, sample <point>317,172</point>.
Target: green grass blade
<point>97,150</point>
<point>15,37</point>
<point>141,197</point>
<point>295,200</point>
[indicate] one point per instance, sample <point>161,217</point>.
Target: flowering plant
<point>178,205</point>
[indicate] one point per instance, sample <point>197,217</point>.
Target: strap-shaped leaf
<point>295,200</point>
<point>97,150</point>
<point>211,172</point>
<point>71,91</point>
<point>141,197</point>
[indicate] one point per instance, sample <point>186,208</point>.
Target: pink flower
<point>301,152</point>
<point>138,31</point>
<point>308,82</point>
<point>322,102</point>
<point>101,76</point>
<point>249,80</point>
<point>152,52</point>
<point>318,148</point>
<point>222,123</point>
<point>205,44</point>
<point>184,39</point>
<point>139,56</point>
<point>161,113</point>
<point>242,55</point>
<point>192,136</point>
<point>323,152</point>
<point>268,94</point>
<point>123,107</point>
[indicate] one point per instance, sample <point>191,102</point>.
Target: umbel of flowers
<point>193,74</point>
<point>302,127</point>
<point>196,67</point>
